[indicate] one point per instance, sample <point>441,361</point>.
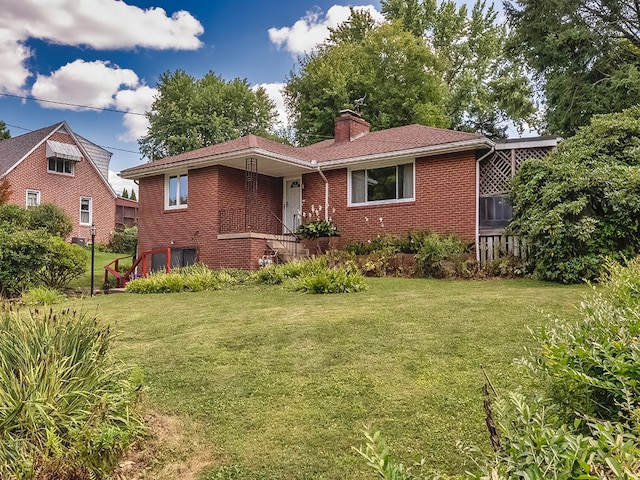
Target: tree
<point>190,113</point>
<point>487,90</point>
<point>4,131</point>
<point>125,193</point>
<point>5,191</point>
<point>133,195</point>
<point>435,65</point>
<point>394,69</point>
<point>584,56</point>
<point>582,202</point>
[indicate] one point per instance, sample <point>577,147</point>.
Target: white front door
<point>292,203</point>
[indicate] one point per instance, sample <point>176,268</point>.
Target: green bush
<point>62,263</point>
<point>581,203</point>
<point>335,280</point>
<point>194,278</point>
<point>42,296</point>
<point>125,241</point>
<point>50,218</point>
<point>277,274</point>
<point>13,217</point>
<point>67,408</point>
<point>23,254</point>
<point>318,228</point>
<point>442,257</point>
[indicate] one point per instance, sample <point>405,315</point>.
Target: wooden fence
<point>491,247</point>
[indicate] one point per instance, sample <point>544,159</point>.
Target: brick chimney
<point>349,126</point>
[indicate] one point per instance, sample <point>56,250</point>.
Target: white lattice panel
<point>523,154</point>
<point>495,173</point>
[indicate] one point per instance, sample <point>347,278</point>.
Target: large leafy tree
<point>582,202</point>
<point>190,113</point>
<point>584,56</point>
<point>487,91</point>
<point>435,65</point>
<point>394,70</point>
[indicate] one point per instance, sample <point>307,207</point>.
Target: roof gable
<point>13,150</point>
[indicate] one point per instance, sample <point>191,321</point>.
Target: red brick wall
<point>445,201</point>
<point>210,189</point>
<point>65,191</point>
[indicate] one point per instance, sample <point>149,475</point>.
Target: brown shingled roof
<point>12,150</point>
<point>410,138</point>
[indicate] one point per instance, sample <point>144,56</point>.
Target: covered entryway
<point>291,204</point>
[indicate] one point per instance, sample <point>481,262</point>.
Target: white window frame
<point>374,166</point>
<point>72,166</point>
<point>167,179</point>
<point>29,192</point>
<point>90,222</point>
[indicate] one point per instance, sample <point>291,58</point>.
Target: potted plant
<point>316,234</point>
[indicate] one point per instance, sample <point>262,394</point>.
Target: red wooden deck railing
<point>143,260</point>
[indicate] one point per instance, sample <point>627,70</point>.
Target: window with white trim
<point>176,191</point>
<point>382,184</point>
<point>86,210</point>
<point>60,165</point>
<point>33,198</point>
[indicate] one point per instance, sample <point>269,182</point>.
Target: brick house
<point>55,165</point>
<point>226,204</point>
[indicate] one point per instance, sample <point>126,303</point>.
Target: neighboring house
<point>55,165</point>
<point>226,204</point>
<point>126,213</point>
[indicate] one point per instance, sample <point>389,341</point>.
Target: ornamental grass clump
<point>67,407</point>
<point>194,278</point>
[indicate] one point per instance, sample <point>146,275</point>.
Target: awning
<point>63,150</point>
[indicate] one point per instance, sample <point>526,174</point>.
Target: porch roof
<point>276,159</point>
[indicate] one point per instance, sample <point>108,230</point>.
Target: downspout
<point>493,149</point>
<point>326,194</point>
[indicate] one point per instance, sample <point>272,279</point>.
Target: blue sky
<point>109,53</point>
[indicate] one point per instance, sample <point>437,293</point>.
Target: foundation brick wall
<point>445,201</point>
<point>210,190</point>
<point>65,190</point>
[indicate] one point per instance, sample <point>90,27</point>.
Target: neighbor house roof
<point>14,150</point>
<point>279,159</point>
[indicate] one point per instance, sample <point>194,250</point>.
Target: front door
<point>292,203</point>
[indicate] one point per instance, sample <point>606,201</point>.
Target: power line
<point>26,97</point>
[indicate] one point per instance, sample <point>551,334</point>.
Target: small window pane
<point>381,184</point>
<point>173,191</point>
<point>184,189</point>
<point>357,186</point>
<point>67,166</point>
<point>405,181</point>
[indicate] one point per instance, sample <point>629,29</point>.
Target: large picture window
<point>176,191</point>
<point>384,184</point>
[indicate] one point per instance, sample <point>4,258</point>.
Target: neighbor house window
<point>86,214</point>
<point>495,211</point>
<point>33,198</point>
<point>383,184</point>
<point>60,165</point>
<point>176,191</point>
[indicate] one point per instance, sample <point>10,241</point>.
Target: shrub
<point>441,257</point>
<point>66,406</point>
<point>336,280</point>
<point>22,254</point>
<point>194,278</point>
<point>50,218</point>
<point>13,217</point>
<point>42,296</point>
<point>276,274</point>
<point>125,241</point>
<point>62,263</point>
<point>318,228</point>
<point>581,203</point>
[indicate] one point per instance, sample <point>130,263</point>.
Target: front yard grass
<point>280,384</point>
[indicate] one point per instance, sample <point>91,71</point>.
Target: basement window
<point>387,184</point>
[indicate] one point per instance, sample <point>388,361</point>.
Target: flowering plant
<point>317,227</point>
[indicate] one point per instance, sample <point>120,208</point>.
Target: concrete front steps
<point>287,249</point>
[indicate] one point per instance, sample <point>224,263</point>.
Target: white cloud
<point>274,90</point>
<point>118,183</point>
<point>312,29</point>
<point>137,100</point>
<point>98,24</point>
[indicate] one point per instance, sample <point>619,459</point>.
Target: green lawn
<point>280,384</point>
<point>100,260</point>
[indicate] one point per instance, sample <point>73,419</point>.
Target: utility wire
<point>25,97</point>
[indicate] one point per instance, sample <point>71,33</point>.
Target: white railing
<point>492,247</point>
